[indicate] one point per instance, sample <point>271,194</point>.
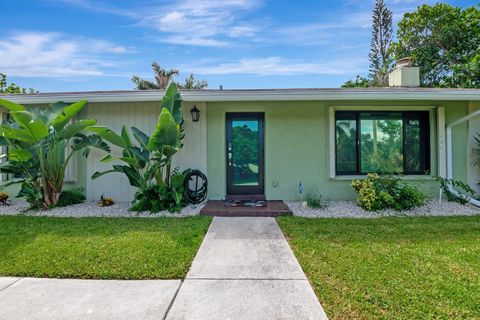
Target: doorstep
<point>274,208</point>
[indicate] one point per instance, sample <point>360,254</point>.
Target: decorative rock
<point>350,209</point>
<point>91,209</point>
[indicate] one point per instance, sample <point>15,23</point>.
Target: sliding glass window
<point>382,142</point>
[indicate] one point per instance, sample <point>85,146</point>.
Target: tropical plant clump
<point>465,192</point>
<point>316,201</point>
<point>72,196</point>
<point>377,193</point>
<point>148,159</point>
<point>161,197</point>
<point>40,144</point>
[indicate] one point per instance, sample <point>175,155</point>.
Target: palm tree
<point>192,83</point>
<point>164,77</point>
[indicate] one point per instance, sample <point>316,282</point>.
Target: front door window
<point>245,153</point>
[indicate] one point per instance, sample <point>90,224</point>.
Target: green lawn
<point>391,268</point>
<point>99,248</point>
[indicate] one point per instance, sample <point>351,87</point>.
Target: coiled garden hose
<point>196,186</point>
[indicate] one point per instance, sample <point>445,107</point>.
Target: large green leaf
<point>97,174</point>
<point>130,161</point>
<point>19,155</point>
<point>10,183</point>
<point>142,156</point>
<point>16,134</point>
<point>133,177</point>
<point>9,167</point>
<point>172,101</point>
<point>126,137</point>
<point>53,111</point>
<point>177,181</point>
<point>11,106</point>
<point>35,127</point>
<point>72,129</point>
<point>82,141</point>
<point>166,132</point>
<point>141,137</point>
<point>68,113</point>
<point>109,135</point>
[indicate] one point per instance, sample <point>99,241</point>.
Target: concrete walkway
<point>245,269</point>
<point>42,299</point>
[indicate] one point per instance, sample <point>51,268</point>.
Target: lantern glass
<point>195,114</point>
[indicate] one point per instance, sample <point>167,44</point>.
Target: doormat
<point>245,203</point>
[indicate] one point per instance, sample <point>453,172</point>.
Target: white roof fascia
<point>255,95</point>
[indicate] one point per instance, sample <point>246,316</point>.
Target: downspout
<point>450,155</point>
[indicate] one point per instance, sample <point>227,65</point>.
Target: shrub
<point>69,197</point>
<point>387,192</point>
<point>160,197</point>
<point>316,201</point>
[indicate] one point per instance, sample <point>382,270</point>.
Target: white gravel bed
<point>92,209</point>
<point>350,209</point>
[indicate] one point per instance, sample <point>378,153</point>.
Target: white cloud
<point>242,31</point>
<point>35,54</point>
<point>281,66</point>
<point>201,22</point>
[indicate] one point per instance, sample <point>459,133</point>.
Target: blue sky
<point>76,45</point>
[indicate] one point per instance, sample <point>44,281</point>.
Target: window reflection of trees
<point>382,148</point>
<point>382,142</point>
<point>245,145</point>
<point>346,131</point>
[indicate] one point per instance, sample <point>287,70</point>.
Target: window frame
<point>424,127</point>
<point>4,177</point>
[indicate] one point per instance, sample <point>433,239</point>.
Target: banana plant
<point>145,158</point>
<point>41,143</point>
<point>148,160</point>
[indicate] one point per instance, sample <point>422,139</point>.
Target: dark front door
<point>245,157</point>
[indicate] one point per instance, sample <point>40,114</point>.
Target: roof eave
<point>253,95</point>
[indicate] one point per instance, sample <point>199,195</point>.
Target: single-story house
<point>264,142</point>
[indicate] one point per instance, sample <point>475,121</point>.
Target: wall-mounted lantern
<point>195,114</point>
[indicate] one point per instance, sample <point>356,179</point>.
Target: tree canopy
<point>380,55</point>
<point>444,41</point>
<point>12,88</point>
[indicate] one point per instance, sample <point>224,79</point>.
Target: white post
<point>450,156</point>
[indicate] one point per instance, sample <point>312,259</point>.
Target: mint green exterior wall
<point>296,146</point>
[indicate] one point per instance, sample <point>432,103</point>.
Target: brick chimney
<point>404,75</point>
